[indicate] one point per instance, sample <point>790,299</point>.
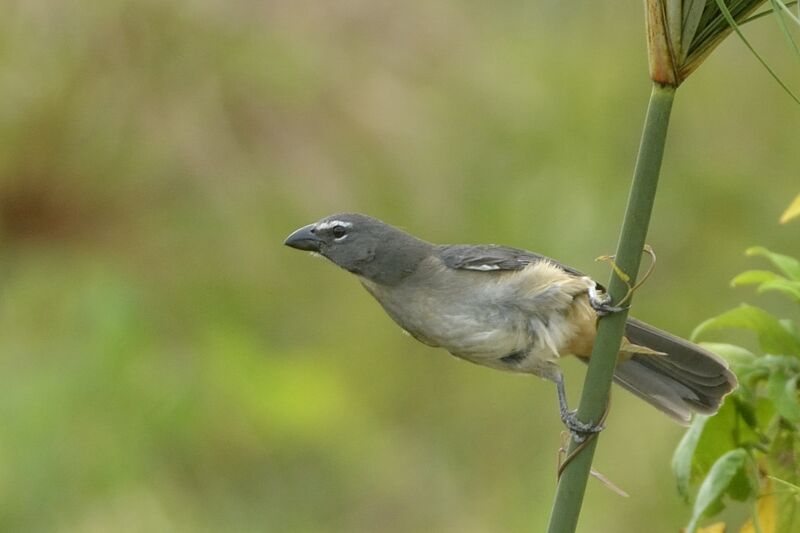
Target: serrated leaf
<point>716,484</point>
<point>784,286</point>
<point>773,337</point>
<point>793,211</point>
<point>683,457</point>
<point>786,264</point>
<point>782,390</point>
<point>754,277</point>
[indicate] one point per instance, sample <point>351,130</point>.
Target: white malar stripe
<point>328,224</point>
<point>483,268</point>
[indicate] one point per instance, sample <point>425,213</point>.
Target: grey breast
<point>468,313</point>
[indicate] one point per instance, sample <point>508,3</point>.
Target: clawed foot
<point>579,430</point>
<point>601,303</point>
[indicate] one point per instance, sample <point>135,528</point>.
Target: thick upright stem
<point>571,487</point>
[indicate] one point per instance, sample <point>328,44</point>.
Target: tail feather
<point>687,379</point>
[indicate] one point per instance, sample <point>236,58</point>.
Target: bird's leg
<point>601,302</point>
<point>579,430</point>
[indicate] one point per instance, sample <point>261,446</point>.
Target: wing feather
<point>493,258</point>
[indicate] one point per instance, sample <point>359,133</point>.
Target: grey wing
<point>492,257</point>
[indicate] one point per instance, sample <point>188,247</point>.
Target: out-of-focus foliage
<point>748,451</point>
<point>168,366</point>
<point>793,211</point>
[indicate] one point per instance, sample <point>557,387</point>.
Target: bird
<point>513,310</point>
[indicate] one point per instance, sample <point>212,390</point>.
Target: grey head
<point>364,246</point>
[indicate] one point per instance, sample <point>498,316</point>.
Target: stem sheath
<point>572,485</point>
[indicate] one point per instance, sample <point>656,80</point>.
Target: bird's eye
<point>338,232</point>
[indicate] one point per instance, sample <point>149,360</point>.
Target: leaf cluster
<point>682,33</point>
<point>748,451</point>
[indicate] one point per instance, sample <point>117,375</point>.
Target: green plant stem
<point>572,485</point>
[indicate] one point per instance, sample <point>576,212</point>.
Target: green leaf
<point>768,281</point>
<point>742,361</point>
<point>784,7</point>
<point>742,486</point>
<point>692,11</point>
<point>789,288</point>
<point>754,277</point>
<point>782,390</point>
<point>746,410</point>
<point>713,28</point>
<point>791,486</point>
<point>788,265</point>
<point>736,356</point>
<point>718,482</point>
<point>683,457</point>
<point>672,11</point>
<point>718,437</point>
<point>765,413</point>
<point>773,337</point>
<point>730,19</point>
<point>791,327</point>
<point>781,466</point>
<point>777,9</point>
<point>773,363</point>
<point>764,13</point>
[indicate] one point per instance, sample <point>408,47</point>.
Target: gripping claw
<point>579,430</point>
<point>601,303</point>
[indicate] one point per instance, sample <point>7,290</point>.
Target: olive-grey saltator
<point>513,310</point>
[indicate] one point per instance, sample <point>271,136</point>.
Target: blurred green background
<point>167,365</point>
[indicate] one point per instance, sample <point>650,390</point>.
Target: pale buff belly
<point>512,332</point>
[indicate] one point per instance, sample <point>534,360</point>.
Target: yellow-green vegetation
<point>749,450</point>
<point>680,36</point>
<point>168,366</point>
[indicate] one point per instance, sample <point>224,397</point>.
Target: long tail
<point>687,379</point>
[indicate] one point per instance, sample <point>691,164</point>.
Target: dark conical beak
<point>303,239</point>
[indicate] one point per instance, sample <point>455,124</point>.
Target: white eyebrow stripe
<point>331,223</point>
